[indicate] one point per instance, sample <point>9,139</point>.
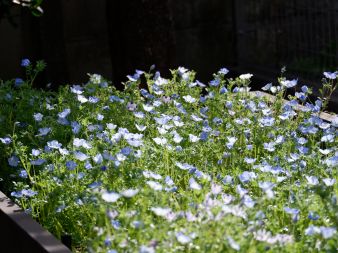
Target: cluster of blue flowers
<point>178,166</point>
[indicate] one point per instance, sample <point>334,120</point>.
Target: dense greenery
<point>179,167</point>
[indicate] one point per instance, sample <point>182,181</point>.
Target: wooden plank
<point>20,233</point>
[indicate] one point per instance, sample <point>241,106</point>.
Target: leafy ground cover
<point>179,166</point>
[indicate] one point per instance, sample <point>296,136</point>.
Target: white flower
<point>245,76</point>
<point>189,99</point>
<point>129,193</point>
<point>159,211</point>
<point>110,196</point>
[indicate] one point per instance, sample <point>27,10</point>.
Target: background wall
<point>115,37</point>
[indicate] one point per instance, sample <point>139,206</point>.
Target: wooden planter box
<point>20,233</point>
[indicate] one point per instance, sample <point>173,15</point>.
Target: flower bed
<point>179,166</point>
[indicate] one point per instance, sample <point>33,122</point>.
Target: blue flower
<point>330,75</point>
<point>223,71</point>
<point>18,82</point>
<point>13,161</point>
<point>214,82</point>
<point>71,165</point>
<point>23,174</point>
<point>6,140</point>
<point>294,212</point>
<point>25,62</point>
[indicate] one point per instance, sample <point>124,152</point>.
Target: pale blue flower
<point>71,165</point>
<point>327,232</point>
<point>38,162</point>
<point>214,83</point>
<point>194,185</point>
<point>25,62</point>
<point>6,140</point>
<point>44,131</point>
<point>154,185</point>
<point>329,181</point>
<point>18,82</point>
<point>330,75</point>
<point>294,212</point>
<point>182,238</point>
<point>110,197</point>
<point>223,71</point>
<point>247,176</point>
<point>289,83</point>
<point>159,211</point>
<point>23,174</point>
<point>312,180</point>
<point>13,161</point>
<point>64,113</point>
<point>129,193</point>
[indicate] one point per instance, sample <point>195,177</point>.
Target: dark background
<point>114,37</point>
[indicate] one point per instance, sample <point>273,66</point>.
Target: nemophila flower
<point>215,82</point>
<point>150,174</point>
<point>248,201</point>
<point>161,82</point>
<point>18,82</point>
<point>234,245</point>
<point>227,179</point>
<point>301,96</point>
<point>38,117</point>
<point>44,131</point>
<point>136,76</point>
<point>82,99</point>
<point>312,180</point>
<point>267,86</point>
<point>194,185</point>
<point>193,138</point>
<point>25,62</point>
<point>269,146</point>
<point>216,189</point>
<point>223,71</point>
<point>76,89</point>
<point>313,216</point>
<point>129,193</point>
<point>160,141</point>
<point>146,249</point>
<point>54,144</point>
<point>330,75</point>
<point>327,232</point>
<point>99,117</point>
<point>189,99</point>
<point>13,161</point>
<point>111,126</point>
<point>328,138</point>
<point>154,185</point>
<point>267,121</point>
<point>80,156</point>
<point>267,188</point>
<point>249,160</point>
<point>159,211</point>
<point>182,238</point>
<point>38,162</point>
<point>289,83</point>
<point>110,197</point>
<point>294,212</point>
<point>81,143</point>
<point>6,140</point>
<point>329,181</point>
<point>64,113</point>
<point>245,76</point>
<point>71,165</point>
<point>247,176</point>
<point>23,174</point>
<point>231,142</point>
